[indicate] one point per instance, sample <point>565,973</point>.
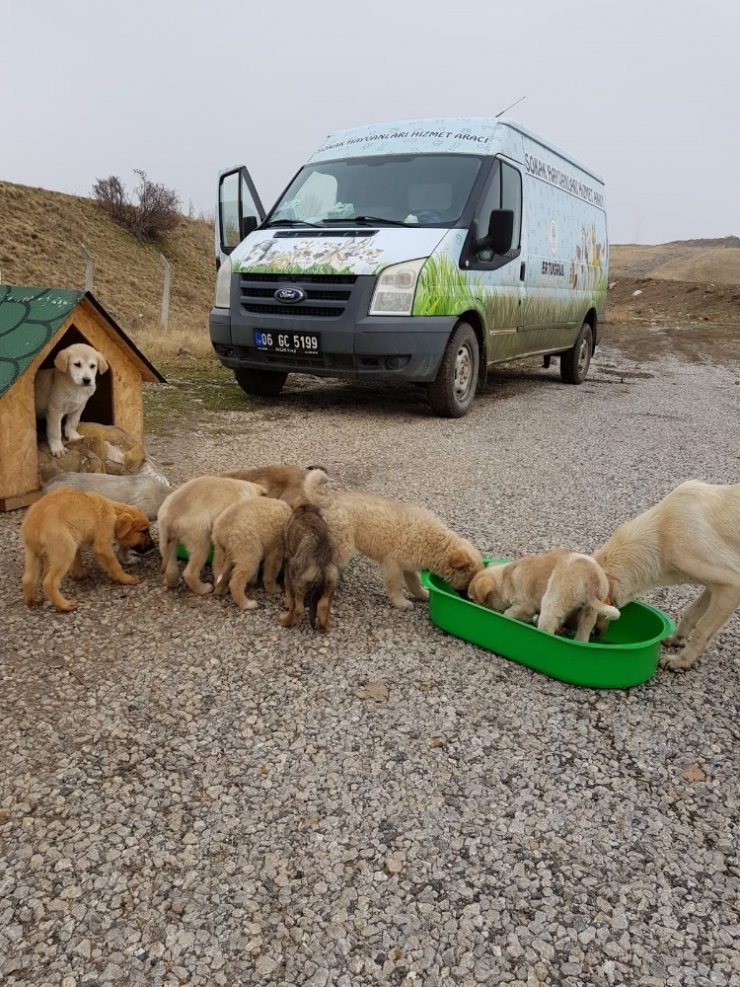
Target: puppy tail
<point>604,609</point>
<point>314,487</point>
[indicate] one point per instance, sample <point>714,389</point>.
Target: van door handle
<point>522,271</point>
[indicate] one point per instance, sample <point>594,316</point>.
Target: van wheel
<point>574,363</point>
<point>452,393</point>
<point>264,383</point>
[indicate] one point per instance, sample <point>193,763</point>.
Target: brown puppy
<point>56,528</point>
<point>243,535</point>
<point>283,482</point>
<point>311,559</point>
<point>559,586</point>
<point>691,536</point>
<point>404,539</point>
<point>187,517</point>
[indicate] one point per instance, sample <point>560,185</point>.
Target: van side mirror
<point>500,231</point>
<point>249,225</point>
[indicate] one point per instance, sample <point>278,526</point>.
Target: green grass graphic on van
<point>443,289</point>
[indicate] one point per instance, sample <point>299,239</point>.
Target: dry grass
<point>40,236</point>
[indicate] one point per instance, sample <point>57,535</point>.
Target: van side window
<point>504,192</point>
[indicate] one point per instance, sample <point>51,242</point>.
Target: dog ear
<point>61,360</point>
<point>124,524</point>
<point>459,559</point>
<point>102,363</point>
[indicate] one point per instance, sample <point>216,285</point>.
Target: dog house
<point>35,323</point>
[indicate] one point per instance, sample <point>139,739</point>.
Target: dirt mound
<point>702,261</point>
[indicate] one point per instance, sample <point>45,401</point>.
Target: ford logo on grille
<point>290,295</point>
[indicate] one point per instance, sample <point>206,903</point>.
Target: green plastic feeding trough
<point>625,656</point>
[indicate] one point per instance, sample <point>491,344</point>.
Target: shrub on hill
<point>154,212</point>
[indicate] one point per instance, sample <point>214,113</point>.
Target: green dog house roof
<point>30,317</point>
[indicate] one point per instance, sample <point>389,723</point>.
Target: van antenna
<point>509,107</point>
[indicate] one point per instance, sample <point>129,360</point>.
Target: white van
<point>420,250</point>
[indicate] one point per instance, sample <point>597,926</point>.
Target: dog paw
<point>677,664</point>
<point>403,604</point>
<point>249,605</point>
<point>56,449</point>
<point>674,641</point>
<point>73,436</point>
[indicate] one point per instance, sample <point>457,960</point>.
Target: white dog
<point>64,391</point>
<point>691,536</point>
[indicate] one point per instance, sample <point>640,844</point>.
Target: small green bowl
<point>182,554</point>
<point>625,656</point>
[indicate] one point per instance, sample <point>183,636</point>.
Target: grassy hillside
<point>40,236</point>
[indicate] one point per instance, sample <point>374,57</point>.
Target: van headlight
<point>396,287</point>
<point>223,284</point>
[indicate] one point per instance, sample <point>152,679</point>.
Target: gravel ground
<point>193,795</point>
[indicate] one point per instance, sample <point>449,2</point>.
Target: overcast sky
<point>645,92</point>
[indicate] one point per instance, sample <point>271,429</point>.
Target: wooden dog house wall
<point>35,323</point>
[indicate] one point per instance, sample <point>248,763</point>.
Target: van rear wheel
<point>263,383</point>
<point>452,393</point>
<point>574,363</point>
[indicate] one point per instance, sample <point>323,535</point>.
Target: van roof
<point>444,135</point>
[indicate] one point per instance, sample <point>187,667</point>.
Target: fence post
<point>165,318</point>
<point>89,267</point>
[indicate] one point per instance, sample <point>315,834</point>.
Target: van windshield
<point>398,190</point>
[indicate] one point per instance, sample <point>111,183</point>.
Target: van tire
<point>263,383</point>
<point>574,363</point>
<point>451,393</point>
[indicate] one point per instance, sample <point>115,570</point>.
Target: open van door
<point>238,210</point>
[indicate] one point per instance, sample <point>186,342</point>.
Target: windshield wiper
<point>290,222</point>
<point>367,221</point>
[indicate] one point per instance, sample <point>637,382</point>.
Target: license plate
<point>289,343</point>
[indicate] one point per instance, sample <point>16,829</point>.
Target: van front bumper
<point>370,348</point>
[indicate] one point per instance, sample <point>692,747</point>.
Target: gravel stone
<point>192,794</point>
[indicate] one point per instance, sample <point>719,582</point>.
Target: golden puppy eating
<point>560,587</point>
<point>691,536</point>
<point>404,539</point>
<point>243,535</point>
<point>311,559</point>
<point>187,517</point>
<point>64,521</point>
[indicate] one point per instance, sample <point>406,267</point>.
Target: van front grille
<point>257,294</point>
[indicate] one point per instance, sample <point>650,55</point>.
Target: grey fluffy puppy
<point>311,559</point>
<point>141,490</point>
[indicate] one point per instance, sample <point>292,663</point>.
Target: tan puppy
<point>560,586</point>
<point>62,522</point>
<point>285,482</point>
<point>243,535</point>
<point>312,560</point>
<point>691,536</point>
<point>404,539</point>
<point>64,391</point>
<point>187,517</point>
